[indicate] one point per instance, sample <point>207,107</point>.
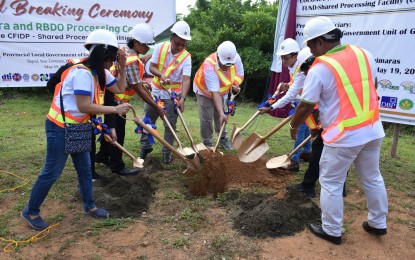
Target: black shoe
<point>318,231</point>
<point>375,231</point>
<point>311,193</point>
<point>96,176</point>
<point>102,160</point>
<point>125,171</point>
<point>167,158</point>
<point>145,152</point>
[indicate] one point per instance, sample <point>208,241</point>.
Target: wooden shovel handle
<point>187,130</point>
<point>120,147</point>
<point>299,146</point>
<point>155,135</point>
<point>219,136</point>
<point>275,129</point>
<point>250,120</point>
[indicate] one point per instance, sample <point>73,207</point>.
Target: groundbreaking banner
<point>386,28</point>
<point>39,36</point>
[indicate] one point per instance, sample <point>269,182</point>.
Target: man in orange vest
<point>142,36</point>
<point>341,81</point>
<point>171,66</point>
<point>219,74</point>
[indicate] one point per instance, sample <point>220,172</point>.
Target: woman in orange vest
<point>341,81</point>
<point>80,89</point>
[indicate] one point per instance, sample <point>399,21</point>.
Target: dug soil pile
<point>259,215</point>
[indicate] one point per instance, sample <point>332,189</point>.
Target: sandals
<point>98,213</point>
<point>36,223</point>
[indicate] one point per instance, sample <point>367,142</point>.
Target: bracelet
<point>289,124</point>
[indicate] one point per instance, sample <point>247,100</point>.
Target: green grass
<point>22,146</point>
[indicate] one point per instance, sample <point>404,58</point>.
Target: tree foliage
<point>249,24</point>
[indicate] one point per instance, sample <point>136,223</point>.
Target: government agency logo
<point>17,77</point>
<point>409,86</point>
<point>406,104</point>
<point>386,84</point>
<point>26,77</point>
<point>389,102</point>
<point>35,77</point>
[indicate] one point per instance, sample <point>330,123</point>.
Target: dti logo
<point>389,102</point>
<point>17,77</point>
<point>6,77</point>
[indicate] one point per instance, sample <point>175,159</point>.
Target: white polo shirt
<point>185,69</point>
<point>79,82</point>
<point>320,87</point>
<point>294,90</point>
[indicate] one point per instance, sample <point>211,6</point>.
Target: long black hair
<point>96,58</point>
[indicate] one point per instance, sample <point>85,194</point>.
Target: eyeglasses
<point>178,44</point>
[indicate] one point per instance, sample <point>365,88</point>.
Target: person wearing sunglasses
<point>141,37</point>
<point>220,73</point>
<point>171,66</point>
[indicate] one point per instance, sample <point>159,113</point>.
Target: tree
<point>249,24</point>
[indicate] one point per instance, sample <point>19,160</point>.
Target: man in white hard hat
<point>342,83</point>
<point>220,73</point>
<point>171,66</point>
<point>141,37</point>
<point>292,57</point>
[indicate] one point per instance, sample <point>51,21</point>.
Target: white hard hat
<point>182,29</point>
<point>227,53</point>
<point>101,36</point>
<point>317,26</point>
<point>143,33</point>
<point>288,46</point>
<point>303,55</point>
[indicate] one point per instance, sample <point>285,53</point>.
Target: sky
<point>181,6</point>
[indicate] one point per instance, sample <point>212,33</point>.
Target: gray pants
<point>168,136</point>
<point>208,115</point>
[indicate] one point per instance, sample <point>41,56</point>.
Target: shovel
<point>236,138</point>
<point>255,146</point>
<point>137,162</point>
<point>284,160</point>
<point>224,123</point>
<point>192,143</point>
<point>185,151</point>
<point>193,164</point>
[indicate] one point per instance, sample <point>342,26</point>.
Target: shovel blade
<point>252,149</point>
<point>138,163</point>
<point>201,147</point>
<point>236,140</point>
<point>193,163</point>
<point>189,152</point>
<point>278,162</point>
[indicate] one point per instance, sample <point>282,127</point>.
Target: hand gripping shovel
<point>185,151</point>
<point>254,146</point>
<point>284,160</point>
<point>193,165</point>
<point>224,123</point>
<point>236,138</point>
<point>137,162</point>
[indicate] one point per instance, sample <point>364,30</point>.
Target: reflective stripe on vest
<point>294,73</point>
<point>224,80</point>
<point>356,90</point>
<point>55,114</point>
<point>128,94</point>
<point>167,70</point>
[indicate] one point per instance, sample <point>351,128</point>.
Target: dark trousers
<point>313,170</point>
<point>110,153</point>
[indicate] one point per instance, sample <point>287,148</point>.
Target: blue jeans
<point>55,162</point>
<point>302,133</point>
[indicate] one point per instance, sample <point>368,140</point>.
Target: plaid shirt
<point>133,71</point>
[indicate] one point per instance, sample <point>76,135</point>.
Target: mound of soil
<point>220,173</point>
<point>263,215</point>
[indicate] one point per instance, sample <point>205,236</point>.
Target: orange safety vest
<point>168,69</point>
<point>226,81</point>
<point>55,114</point>
<point>355,88</point>
<point>129,92</point>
